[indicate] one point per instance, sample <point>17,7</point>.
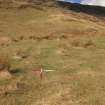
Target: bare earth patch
<point>5,40</point>
<point>4,74</point>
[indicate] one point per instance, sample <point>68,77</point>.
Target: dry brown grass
<point>67,43</point>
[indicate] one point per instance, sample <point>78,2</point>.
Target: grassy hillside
<point>70,43</point>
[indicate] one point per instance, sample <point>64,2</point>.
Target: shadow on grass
<point>17,71</point>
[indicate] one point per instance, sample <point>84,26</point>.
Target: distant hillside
<point>39,4</point>
<point>25,3</point>
<point>95,10</point>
